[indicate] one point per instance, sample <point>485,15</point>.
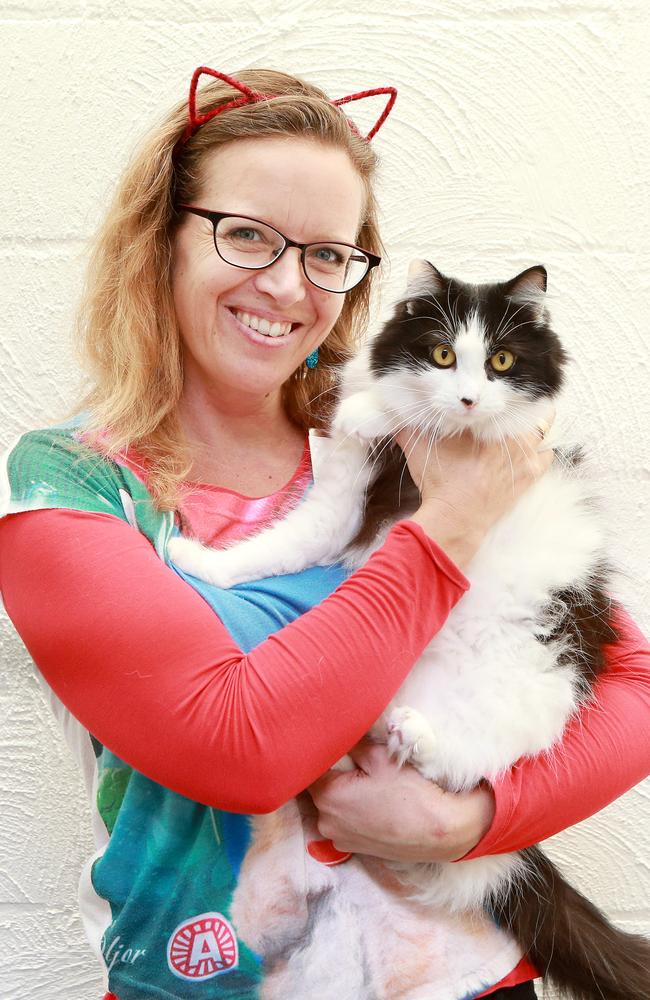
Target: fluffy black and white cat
<point>520,651</point>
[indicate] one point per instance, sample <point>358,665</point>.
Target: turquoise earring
<point>312,359</point>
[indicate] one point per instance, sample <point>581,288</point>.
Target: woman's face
<point>310,193</point>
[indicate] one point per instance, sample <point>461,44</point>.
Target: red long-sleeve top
<point>146,666</point>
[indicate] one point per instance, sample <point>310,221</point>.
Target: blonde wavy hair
<point>127,335</point>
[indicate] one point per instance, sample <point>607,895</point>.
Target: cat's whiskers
<point>512,328</point>
<point>353,433</point>
<point>504,446</point>
<point>409,419</point>
<point>415,415</point>
<point>420,416</point>
<point>377,450</point>
<point>412,416</point>
<point>405,466</point>
<point>433,443</point>
<point>319,395</point>
<point>514,423</point>
<point>427,333</point>
<point>415,319</point>
<point>510,318</point>
<point>447,319</point>
<point>432,430</point>
<point>448,301</point>
<point>526,452</point>
<point>373,456</point>
<point>407,454</point>
<point>454,312</point>
<point>410,368</point>
<point>507,316</point>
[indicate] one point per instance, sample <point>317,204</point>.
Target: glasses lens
<point>246,243</point>
<point>335,266</point>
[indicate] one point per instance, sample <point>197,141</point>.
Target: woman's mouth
<point>262,325</point>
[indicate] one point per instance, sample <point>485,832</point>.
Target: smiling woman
<point>195,709</point>
<point>277,160</point>
<point>225,358</point>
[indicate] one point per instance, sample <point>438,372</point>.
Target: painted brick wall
<point>520,136</point>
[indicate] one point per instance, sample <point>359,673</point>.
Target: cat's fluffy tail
<point>572,944</point>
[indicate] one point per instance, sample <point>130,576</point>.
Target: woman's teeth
<point>263,325</point>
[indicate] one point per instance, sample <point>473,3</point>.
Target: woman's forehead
<point>303,187</point>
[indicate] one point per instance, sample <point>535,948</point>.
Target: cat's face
<point>459,357</point>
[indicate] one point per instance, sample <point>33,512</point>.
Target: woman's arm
<point>605,750</point>
<point>146,666</point>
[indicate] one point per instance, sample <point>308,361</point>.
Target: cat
<point>521,650</point>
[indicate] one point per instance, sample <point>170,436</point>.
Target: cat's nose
<point>469,403</point>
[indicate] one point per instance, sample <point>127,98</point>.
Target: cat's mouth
<point>471,414</point>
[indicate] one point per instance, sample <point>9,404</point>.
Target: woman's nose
<point>284,279</point>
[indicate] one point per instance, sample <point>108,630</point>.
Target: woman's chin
<point>248,382</point>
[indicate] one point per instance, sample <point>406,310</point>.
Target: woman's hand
<point>466,485</point>
<point>395,813</point>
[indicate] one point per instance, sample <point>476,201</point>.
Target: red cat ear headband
<point>252,97</point>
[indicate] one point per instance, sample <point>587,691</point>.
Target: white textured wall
<point>520,136</point>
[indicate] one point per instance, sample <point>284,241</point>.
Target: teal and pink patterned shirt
<point>199,716</point>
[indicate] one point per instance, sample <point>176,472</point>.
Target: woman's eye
<point>247,235</point>
<point>326,255</point>
<point>443,356</point>
<point>502,361</point>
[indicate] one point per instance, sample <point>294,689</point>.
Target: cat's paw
<point>202,562</point>
<point>410,737</point>
<point>360,417</point>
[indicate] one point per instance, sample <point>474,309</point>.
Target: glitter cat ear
<point>252,97</point>
<point>196,120</point>
<point>371,93</point>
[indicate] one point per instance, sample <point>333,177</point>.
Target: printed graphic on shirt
<point>168,862</point>
<point>202,947</point>
<point>117,952</point>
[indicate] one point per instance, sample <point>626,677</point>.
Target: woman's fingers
<point>393,812</point>
<point>477,480</point>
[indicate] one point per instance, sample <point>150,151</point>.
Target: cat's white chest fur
<point>487,687</point>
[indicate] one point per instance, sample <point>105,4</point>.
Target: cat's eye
<point>443,356</point>
<point>502,361</point>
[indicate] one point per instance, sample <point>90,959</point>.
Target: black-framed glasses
<point>253,244</point>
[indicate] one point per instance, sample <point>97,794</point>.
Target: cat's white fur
<point>486,691</point>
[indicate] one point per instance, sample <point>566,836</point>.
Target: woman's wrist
<point>459,539</point>
<point>460,820</point>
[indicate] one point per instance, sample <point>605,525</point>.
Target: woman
<point>199,405</point>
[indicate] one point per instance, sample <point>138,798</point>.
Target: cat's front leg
<point>207,564</point>
<point>361,415</point>
<point>273,552</point>
<point>411,739</point>
<point>314,533</point>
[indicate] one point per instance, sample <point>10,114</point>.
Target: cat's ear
<point>529,287</point>
<point>423,280</point>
